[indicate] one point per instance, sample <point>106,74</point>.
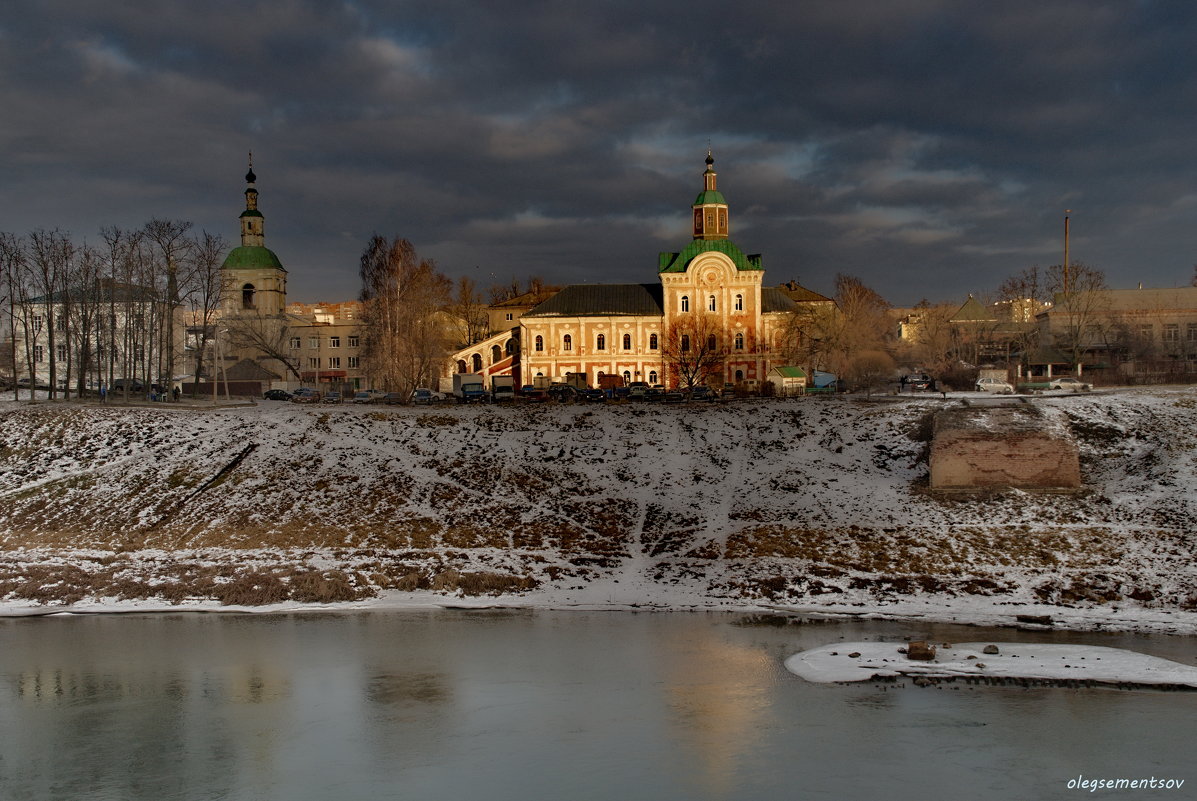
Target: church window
<point>652,377</point>
<point>627,341</point>
<point>711,303</point>
<point>685,303</point>
<point>652,342</point>
<point>739,340</point>
<point>712,343</point>
<point>247,296</point>
<point>567,342</point>
<point>601,342</point>
<point>477,360</point>
<point>539,346</point>
<point>739,303</point>
<point>685,343</point>
<point>334,342</point>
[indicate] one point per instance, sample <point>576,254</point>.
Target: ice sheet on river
<point>860,661</point>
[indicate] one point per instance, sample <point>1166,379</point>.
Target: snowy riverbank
<point>814,505</point>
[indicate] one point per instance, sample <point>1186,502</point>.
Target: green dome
<point>708,197</point>
<point>251,258</point>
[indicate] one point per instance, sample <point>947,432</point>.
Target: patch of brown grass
<point>481,582</point>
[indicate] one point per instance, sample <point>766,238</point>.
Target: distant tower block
<point>1002,447</point>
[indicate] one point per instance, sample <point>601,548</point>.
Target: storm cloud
<point>928,147</point>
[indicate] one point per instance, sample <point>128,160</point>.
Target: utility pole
<point>1066,213</point>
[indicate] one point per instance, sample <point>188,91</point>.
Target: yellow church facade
<point>707,319</point>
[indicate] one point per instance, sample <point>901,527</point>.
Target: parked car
<point>276,394</point>
<point>1069,383</point>
<point>637,390</point>
<point>424,396</point>
<point>916,382</point>
<point>595,396</point>
<point>331,397</point>
<point>392,398</point>
<point>366,396</point>
<point>702,393</point>
<point>305,395</point>
<point>564,393</point>
<point>995,385</point>
<point>654,394</point>
<point>675,396</point>
<point>537,396</point>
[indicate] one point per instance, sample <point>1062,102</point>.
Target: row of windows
<point>1171,332</point>
<point>39,353</point>
<point>333,342</point>
<point>334,362</point>
<point>712,304</point>
<point>600,342</point>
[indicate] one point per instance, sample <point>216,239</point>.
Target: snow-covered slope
<point>805,502</point>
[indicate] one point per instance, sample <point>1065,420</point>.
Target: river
<point>526,705</point>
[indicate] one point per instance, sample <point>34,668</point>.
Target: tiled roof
<point>602,300</point>
<point>678,262</point>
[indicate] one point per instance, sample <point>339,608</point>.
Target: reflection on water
<point>523,705</point>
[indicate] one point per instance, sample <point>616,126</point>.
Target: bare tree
<point>12,270</point>
<point>268,335</point>
<point>172,245</point>
<point>1080,311</point>
<point>203,287</point>
<point>694,348</point>
<point>403,299</point>
<point>470,312</point>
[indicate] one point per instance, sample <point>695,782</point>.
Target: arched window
<point>712,343</point>
<point>711,303</point>
<point>685,303</point>
<point>510,347</point>
<point>461,365</point>
<point>739,303</point>
<point>685,343</point>
<point>739,340</point>
<point>496,354</point>
<point>652,377</point>
<point>477,359</point>
<point>739,376</point>
<point>627,377</point>
<point>627,341</point>
<point>652,342</point>
<point>567,342</point>
<point>601,342</point>
<point>247,296</point>
<point>539,346</point>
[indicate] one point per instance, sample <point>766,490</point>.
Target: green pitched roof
<point>251,258</point>
<point>973,312</point>
<point>678,262</point>
<point>790,372</point>
<point>709,196</point>
<point>602,300</point>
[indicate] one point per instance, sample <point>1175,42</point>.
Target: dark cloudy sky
<point>928,147</point>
